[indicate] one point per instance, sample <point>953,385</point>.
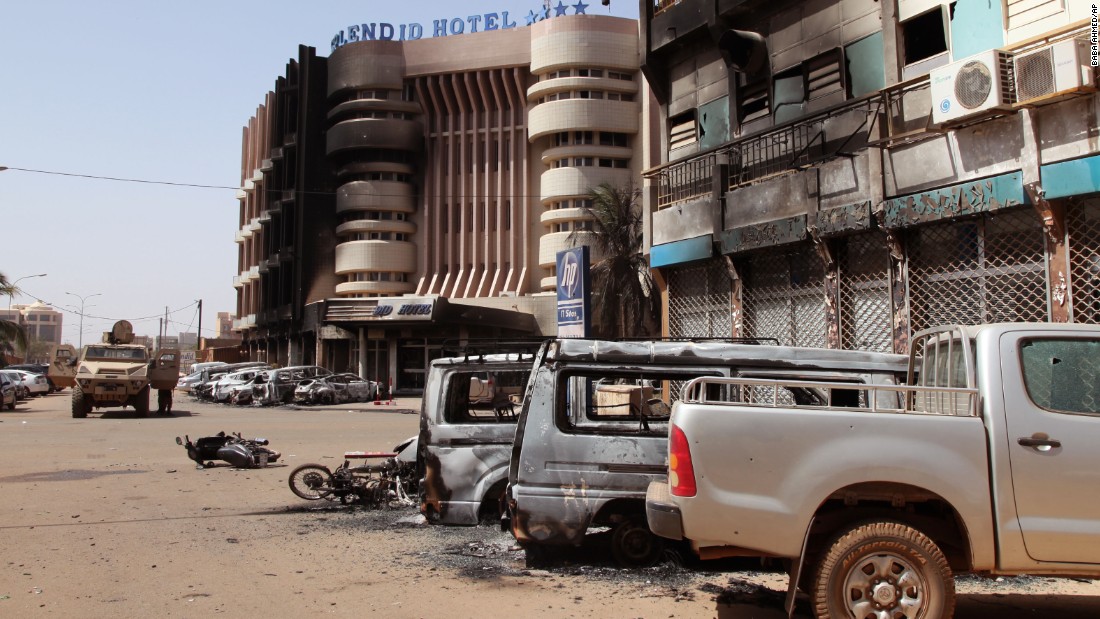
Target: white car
<point>223,387</point>
<point>7,392</point>
<point>34,384</point>
<point>17,381</point>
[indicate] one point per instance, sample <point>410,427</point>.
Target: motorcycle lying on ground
<point>390,480</point>
<point>242,453</point>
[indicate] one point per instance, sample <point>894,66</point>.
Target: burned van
<point>467,422</point>
<point>593,429</point>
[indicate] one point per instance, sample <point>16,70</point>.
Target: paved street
<point>106,517</point>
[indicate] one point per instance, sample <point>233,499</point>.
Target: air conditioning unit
<point>971,86</point>
<point>1054,71</point>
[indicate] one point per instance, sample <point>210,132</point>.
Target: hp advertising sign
<point>573,293</point>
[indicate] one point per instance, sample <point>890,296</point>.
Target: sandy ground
<point>106,517</point>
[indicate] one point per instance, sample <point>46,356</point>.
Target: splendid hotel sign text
<point>378,31</point>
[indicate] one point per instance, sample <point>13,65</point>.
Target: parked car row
<point>36,368</point>
<point>261,385</point>
<point>26,384</point>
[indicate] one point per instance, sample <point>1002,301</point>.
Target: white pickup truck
<point>987,462</point>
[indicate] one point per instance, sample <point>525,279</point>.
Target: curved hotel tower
<point>443,176</point>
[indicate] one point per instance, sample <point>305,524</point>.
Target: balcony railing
<point>661,5</point>
<point>800,143</point>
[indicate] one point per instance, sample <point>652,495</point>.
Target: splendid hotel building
<point>400,194</point>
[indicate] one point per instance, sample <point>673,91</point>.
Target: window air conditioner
<point>973,85</point>
<point>1051,72</point>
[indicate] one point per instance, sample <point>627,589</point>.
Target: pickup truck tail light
<point>681,474</point>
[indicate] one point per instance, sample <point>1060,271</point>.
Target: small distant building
<point>42,322</point>
<point>224,327</point>
<point>188,341</point>
<point>167,342</point>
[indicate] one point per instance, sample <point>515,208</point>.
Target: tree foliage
<point>624,296</point>
<point>13,337</point>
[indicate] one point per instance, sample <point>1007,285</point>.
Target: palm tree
<point>13,336</point>
<point>619,271</point>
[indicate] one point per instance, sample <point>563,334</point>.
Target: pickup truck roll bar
<point>768,393</point>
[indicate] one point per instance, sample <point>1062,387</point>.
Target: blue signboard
<point>574,308</point>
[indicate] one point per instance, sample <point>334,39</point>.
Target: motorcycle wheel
<point>311,482</point>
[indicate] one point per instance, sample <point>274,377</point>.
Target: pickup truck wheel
<point>883,570</point>
<point>634,545</point>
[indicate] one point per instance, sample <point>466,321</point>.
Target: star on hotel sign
<point>559,10</point>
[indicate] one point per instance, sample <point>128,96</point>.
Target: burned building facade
<point>842,173</point>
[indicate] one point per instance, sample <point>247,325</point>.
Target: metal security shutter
<point>975,271</point>
<point>699,301</point>
<point>784,296</point>
<point>864,275</point>
<point>1083,222</point>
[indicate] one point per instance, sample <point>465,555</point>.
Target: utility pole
<point>198,338</point>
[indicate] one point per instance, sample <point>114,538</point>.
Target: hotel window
<point>620,76</point>
<point>612,139</point>
<point>583,137</point>
<point>589,72</point>
<point>589,94</point>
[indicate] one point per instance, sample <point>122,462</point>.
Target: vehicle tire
<point>883,569</point>
<point>634,545</point>
<point>81,405</point>
<point>311,481</point>
<point>11,406</point>
<point>141,401</point>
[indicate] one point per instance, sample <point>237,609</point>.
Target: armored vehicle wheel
<point>311,481</point>
<point>141,401</point>
<point>883,569</point>
<point>634,545</point>
<point>81,405</point>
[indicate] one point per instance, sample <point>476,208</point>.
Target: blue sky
<point>152,91</point>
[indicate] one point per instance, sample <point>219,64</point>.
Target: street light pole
<point>80,338</point>
<point>15,289</point>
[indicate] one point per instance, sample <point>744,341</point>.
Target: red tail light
<point>681,474</point>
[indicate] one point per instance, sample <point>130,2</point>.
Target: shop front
<point>393,340</point>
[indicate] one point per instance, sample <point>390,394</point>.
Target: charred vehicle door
<point>466,438</point>
<point>586,457</point>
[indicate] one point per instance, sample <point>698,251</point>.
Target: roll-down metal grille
<point>784,296</point>
<point>699,301</point>
<point>1083,222</point>
<point>863,264</point>
<point>987,269</point>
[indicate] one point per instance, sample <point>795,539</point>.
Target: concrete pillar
<point>363,353</point>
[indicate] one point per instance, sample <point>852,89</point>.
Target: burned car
<point>335,389</point>
<point>593,431</point>
<point>467,422</point>
<point>221,389</point>
<point>277,386</point>
<point>203,386</point>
